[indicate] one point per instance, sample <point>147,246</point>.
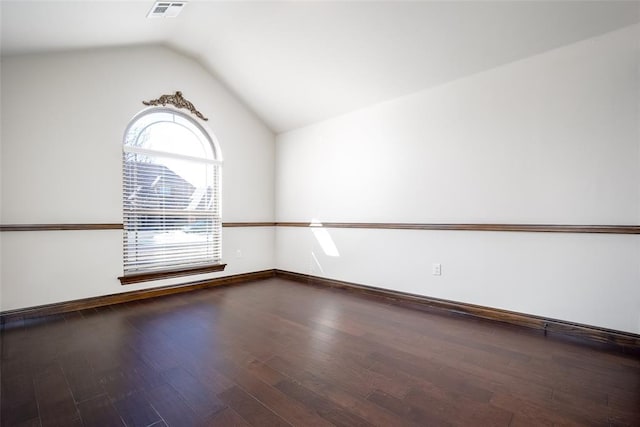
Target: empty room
<point>316,213</point>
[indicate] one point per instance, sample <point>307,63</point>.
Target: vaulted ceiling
<point>296,63</point>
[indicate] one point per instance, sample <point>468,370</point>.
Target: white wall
<point>554,138</point>
<point>63,119</point>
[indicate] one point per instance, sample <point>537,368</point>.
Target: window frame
<point>143,275</point>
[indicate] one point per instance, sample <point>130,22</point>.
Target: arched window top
<point>165,130</point>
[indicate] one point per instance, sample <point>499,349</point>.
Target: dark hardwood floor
<point>279,353</point>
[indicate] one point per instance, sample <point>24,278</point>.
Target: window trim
<point>192,269</point>
<point>147,276</point>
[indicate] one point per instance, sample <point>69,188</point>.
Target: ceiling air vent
<point>169,9</point>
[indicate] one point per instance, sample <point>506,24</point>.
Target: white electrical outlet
<point>436,269</point>
<point>238,253</point>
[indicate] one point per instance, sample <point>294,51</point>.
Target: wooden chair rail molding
<point>546,228</point>
<point>107,226</point>
<point>527,228</point>
<point>60,227</point>
<point>248,224</point>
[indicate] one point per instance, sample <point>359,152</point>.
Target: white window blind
<point>171,194</point>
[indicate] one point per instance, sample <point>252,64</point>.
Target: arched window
<point>171,197</point>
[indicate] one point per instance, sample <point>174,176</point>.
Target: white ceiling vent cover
<point>162,9</point>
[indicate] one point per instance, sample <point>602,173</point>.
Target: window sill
<point>128,279</point>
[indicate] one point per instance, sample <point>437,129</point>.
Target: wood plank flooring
<point>279,353</point>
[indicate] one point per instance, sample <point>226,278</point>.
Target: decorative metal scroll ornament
<point>177,100</point>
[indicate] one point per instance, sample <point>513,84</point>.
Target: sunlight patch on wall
<point>324,239</point>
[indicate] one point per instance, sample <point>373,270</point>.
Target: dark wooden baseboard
<point>625,341</point>
<point>86,303</point>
